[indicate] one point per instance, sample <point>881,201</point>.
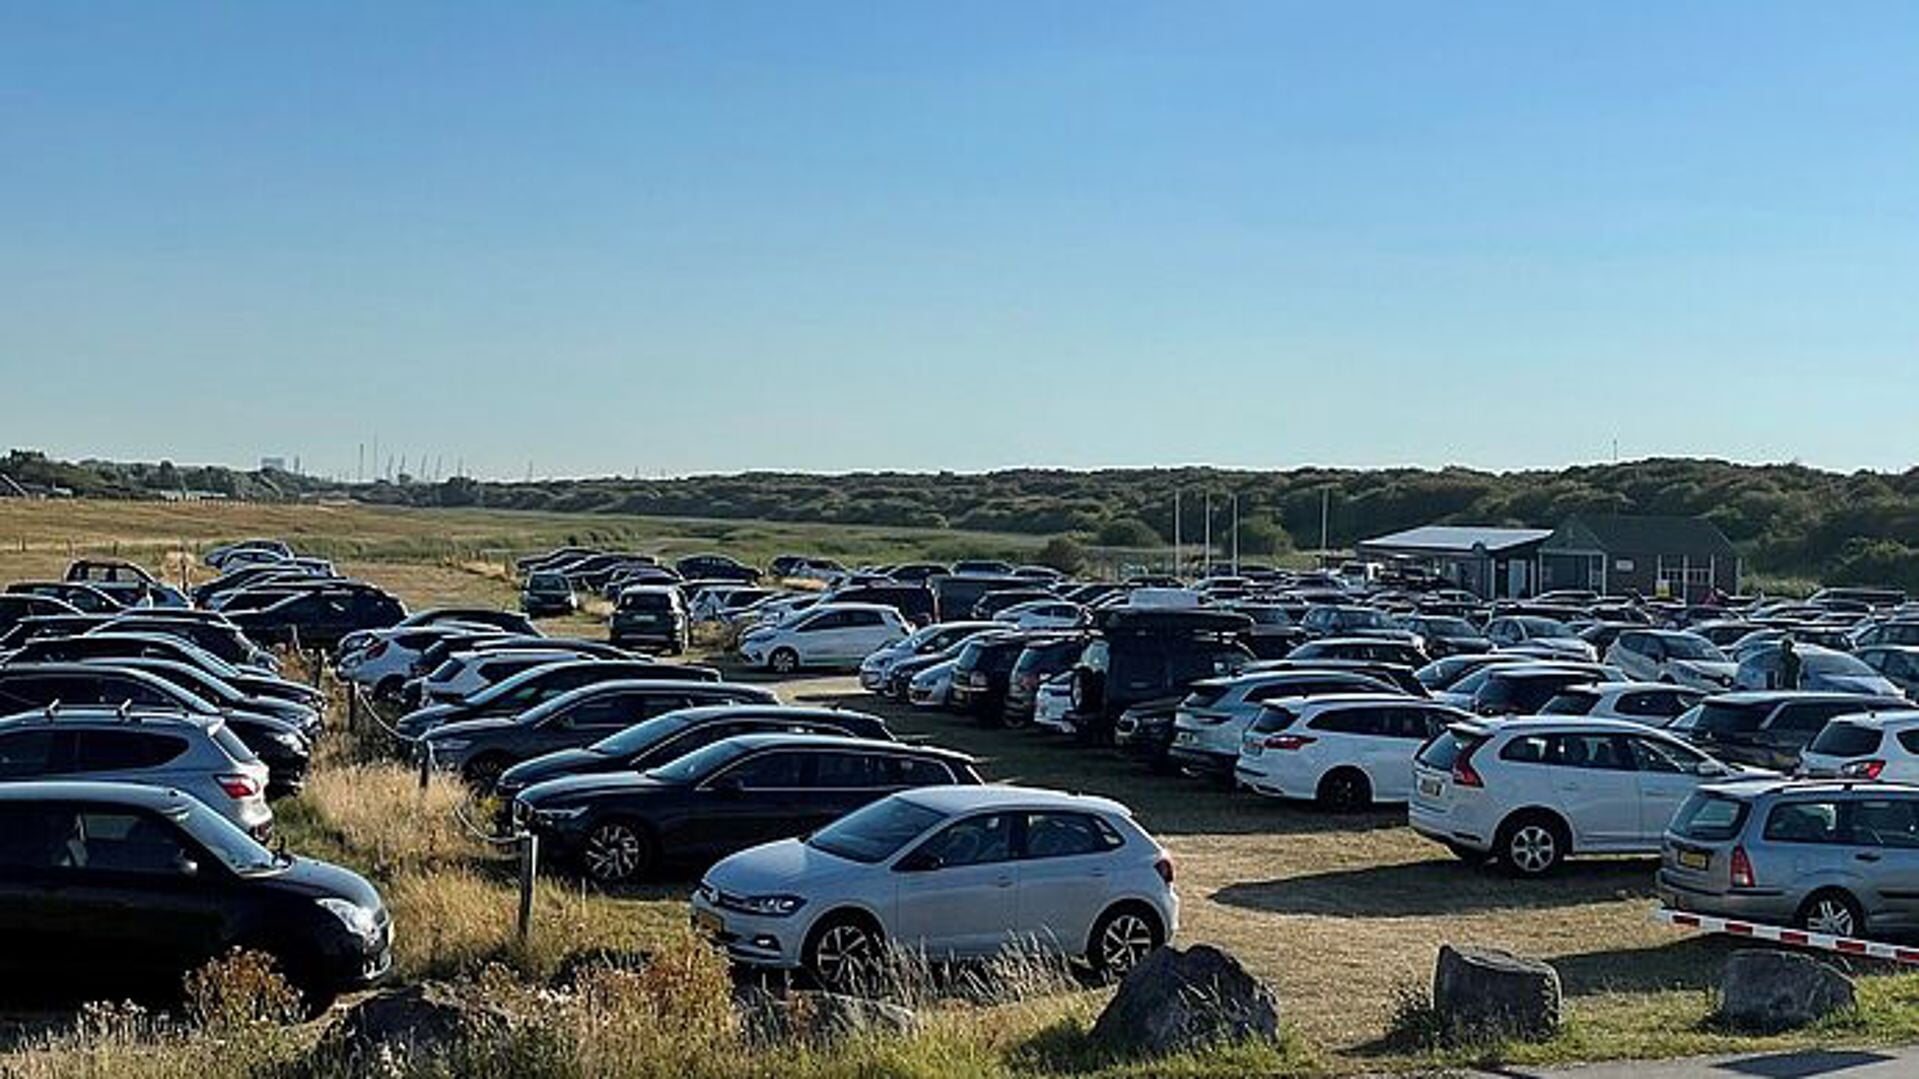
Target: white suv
<point>1674,656</point>
<point>1529,792</point>
<point>1347,751</point>
<point>1879,746</point>
<point>947,872</point>
<point>1214,714</point>
<point>826,635</point>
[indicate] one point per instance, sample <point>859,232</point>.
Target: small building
<point>1491,563</point>
<point>1683,557</point>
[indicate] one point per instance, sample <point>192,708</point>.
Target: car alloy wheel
<point>614,852</point>
<point>1533,848</point>
<point>1126,940</point>
<point>1831,915</point>
<point>845,955</point>
<point>784,661</point>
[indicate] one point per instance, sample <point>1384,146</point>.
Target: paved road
<point>1862,1064</point>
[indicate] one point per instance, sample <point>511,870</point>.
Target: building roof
<point>1642,535</point>
<point>1456,539</point>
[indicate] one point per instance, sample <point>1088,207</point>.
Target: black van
<point>956,594</point>
<point>1145,654</point>
<point>652,615</point>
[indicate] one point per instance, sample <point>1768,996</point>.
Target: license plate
<point>1429,787</point>
<point>708,922</point>
<point>1694,859</point>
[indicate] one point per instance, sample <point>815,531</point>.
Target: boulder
<point>818,1019</point>
<point>409,1025</point>
<point>1769,991</point>
<point>1176,1000</point>
<point>1483,994</point>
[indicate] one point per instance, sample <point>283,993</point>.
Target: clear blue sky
<point>712,236</point>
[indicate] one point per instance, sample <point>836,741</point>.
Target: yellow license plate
<point>1693,859</point>
<point>708,922</point>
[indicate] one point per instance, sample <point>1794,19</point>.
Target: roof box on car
<point>1172,620</point>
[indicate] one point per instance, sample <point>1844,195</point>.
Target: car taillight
<point>1863,769</point>
<point>1464,775</point>
<point>1164,867</point>
<point>1741,869</point>
<point>1290,741</point>
<point>377,650</point>
<point>237,786</point>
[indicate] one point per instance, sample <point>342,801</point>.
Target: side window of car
<point>981,840</point>
<point>1652,755</point>
<point>1909,741</point>
<point>1065,835</point>
<point>124,842</point>
<point>120,751</point>
<point>1803,822</point>
<point>829,620</point>
<point>851,771</point>
<point>1526,749</point>
<point>919,772</point>
<point>780,770</point>
<point>1360,721</point>
<point>1886,822</point>
<point>1598,752</point>
<point>26,753</point>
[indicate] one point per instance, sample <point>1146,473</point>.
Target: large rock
<point>409,1025</point>
<point>818,1019</point>
<point>1766,990</point>
<point>1483,994</point>
<point>1176,1000</point>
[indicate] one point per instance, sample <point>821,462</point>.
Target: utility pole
<point>1325,518</point>
<point>1176,551</point>
<point>1206,556</point>
<point>359,474</point>
<point>1235,533</point>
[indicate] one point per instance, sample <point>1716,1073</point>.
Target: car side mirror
<point>186,866</point>
<point>727,785</point>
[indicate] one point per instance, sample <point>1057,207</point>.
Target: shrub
<point>1062,553</point>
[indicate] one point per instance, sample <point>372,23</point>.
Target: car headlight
<point>450,745</point>
<point>777,906</point>
<point>361,921</point>
<point>288,740</point>
<point>558,814</point>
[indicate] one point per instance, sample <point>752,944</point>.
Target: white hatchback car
<point>1530,792</point>
<point>1656,704</point>
<point>948,873</point>
<point>1043,614</point>
<point>1345,751</point>
<point>1878,746</point>
<point>826,635</point>
<point>1675,656</point>
<point>1216,711</point>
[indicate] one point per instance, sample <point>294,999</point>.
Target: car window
<point>980,840</point>
<point>1652,755</point>
<point>1361,721</point>
<point>852,771</point>
<point>918,772</point>
<point>1600,752</point>
<point>1803,822</point>
<point>1064,835</point>
<point>26,753</point>
<point>862,618</point>
<point>784,770</point>
<point>116,841</point>
<point>113,751</point>
<point>1886,822</point>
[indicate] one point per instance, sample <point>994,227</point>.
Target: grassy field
<point>1342,914</point>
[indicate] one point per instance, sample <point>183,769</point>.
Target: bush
<point>1127,532</point>
<point>1262,535</point>
<point>1062,553</point>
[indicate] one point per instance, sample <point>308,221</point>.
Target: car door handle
<point>1867,856</point>
<point>1003,882</point>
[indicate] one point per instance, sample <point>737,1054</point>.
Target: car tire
<point>618,851</point>
<point>783,661</point>
<point>1345,790</point>
<point>1832,912</point>
<point>843,953</point>
<point>1123,936</point>
<point>1532,844</point>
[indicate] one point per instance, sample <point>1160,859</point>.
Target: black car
<point>652,615</point>
<point>1365,649</point>
<point>17,607</point>
<point>286,750</point>
<point>917,572</point>
<point>60,649</point>
<point>914,602</point>
<point>320,617</point>
<point>619,826</point>
<point>656,741</point>
<point>481,749</point>
<point>955,594</point>
<point>220,638</point>
<point>558,556</point>
<point>1770,728</point>
<point>992,603</point>
<point>235,580</point>
<point>899,677</point>
<point>1523,689</point>
<point>590,574</point>
<point>982,673</point>
<point>112,886</point>
<point>1275,630</point>
<point>1444,635</point>
<point>1042,658</point>
<point>543,683</point>
<point>1144,654</point>
<point>244,694</point>
<point>716,567</point>
<point>81,597</point>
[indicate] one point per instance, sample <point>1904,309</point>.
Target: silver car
<point>1836,858</point>
<point>195,754</point>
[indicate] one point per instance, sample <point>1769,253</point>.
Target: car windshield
<point>1363,618</point>
<point>700,762</point>
<point>1543,627</point>
<point>547,582</point>
<point>639,737</point>
<point>877,832</point>
<point>1687,646</point>
<point>238,850</point>
<point>1447,627</point>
